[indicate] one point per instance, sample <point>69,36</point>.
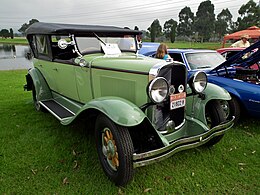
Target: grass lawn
<point>16,40</point>
<point>194,45</point>
<point>40,156</point>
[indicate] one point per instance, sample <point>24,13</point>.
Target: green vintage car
<point>142,109</point>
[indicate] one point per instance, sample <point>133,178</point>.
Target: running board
<point>59,111</point>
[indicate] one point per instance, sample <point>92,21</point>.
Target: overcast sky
<point>13,13</point>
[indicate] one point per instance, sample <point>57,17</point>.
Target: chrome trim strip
<point>53,113</point>
<point>157,67</point>
<point>64,107</point>
<point>175,129</point>
<point>179,145</point>
<point>49,110</point>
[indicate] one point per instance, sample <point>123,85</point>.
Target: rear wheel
<point>115,150</point>
<point>214,116</point>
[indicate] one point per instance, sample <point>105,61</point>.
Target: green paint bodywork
<point>119,110</point>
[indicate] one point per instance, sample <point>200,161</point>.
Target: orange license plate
<point>177,100</point>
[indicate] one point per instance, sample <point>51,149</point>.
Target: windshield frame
<point>86,47</point>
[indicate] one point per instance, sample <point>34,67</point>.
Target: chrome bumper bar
<point>153,156</point>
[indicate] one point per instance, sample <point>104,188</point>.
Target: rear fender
<point>42,89</point>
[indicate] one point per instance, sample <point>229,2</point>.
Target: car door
<point>64,74</point>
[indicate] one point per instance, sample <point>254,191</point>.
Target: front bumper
<point>153,156</point>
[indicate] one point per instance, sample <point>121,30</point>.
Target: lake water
<point>13,57</point>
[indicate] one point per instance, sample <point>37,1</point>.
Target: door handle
<point>55,69</point>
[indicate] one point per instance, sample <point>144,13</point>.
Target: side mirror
<point>63,44</point>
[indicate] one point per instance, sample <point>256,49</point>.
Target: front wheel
<point>214,116</point>
<point>115,150</point>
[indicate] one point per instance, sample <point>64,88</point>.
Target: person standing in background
<point>243,42</point>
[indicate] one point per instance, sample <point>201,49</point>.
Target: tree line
<point>204,25</point>
<point>5,33</point>
<point>200,27</point>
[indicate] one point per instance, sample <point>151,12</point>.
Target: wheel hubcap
<point>109,149</point>
<point>225,106</point>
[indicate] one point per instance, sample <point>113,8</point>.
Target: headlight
<point>199,82</point>
<point>158,89</point>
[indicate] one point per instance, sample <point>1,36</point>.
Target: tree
<point>11,33</point>
<point>25,25</point>
<point>223,23</point>
<point>186,19</point>
<point>249,15</point>
<point>205,20</point>
<point>4,33</point>
<point>155,30</point>
<point>169,29</point>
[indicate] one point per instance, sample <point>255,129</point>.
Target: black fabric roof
<point>64,29</point>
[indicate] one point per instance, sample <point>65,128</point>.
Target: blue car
<point>239,75</point>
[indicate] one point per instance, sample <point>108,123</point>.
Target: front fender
<point>119,110</point>
<point>41,87</point>
<point>196,105</point>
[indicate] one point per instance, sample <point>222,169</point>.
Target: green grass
<point>193,45</point>
<point>37,153</point>
<point>16,40</point>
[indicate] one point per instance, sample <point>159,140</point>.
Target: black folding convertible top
<point>65,29</point>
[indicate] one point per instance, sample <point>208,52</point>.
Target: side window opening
<point>176,57</point>
<point>41,44</point>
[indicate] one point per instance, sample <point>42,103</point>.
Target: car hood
<point>124,62</point>
<point>237,59</point>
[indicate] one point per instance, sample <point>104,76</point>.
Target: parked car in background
<point>231,51</point>
<point>227,52</point>
<point>141,108</point>
<point>238,75</point>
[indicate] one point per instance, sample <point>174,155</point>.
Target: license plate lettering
<point>178,100</point>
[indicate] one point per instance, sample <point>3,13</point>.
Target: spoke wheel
<point>214,116</point>
<point>115,150</point>
<point>109,149</point>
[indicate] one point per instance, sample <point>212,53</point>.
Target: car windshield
<point>203,60</point>
<point>93,45</point>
